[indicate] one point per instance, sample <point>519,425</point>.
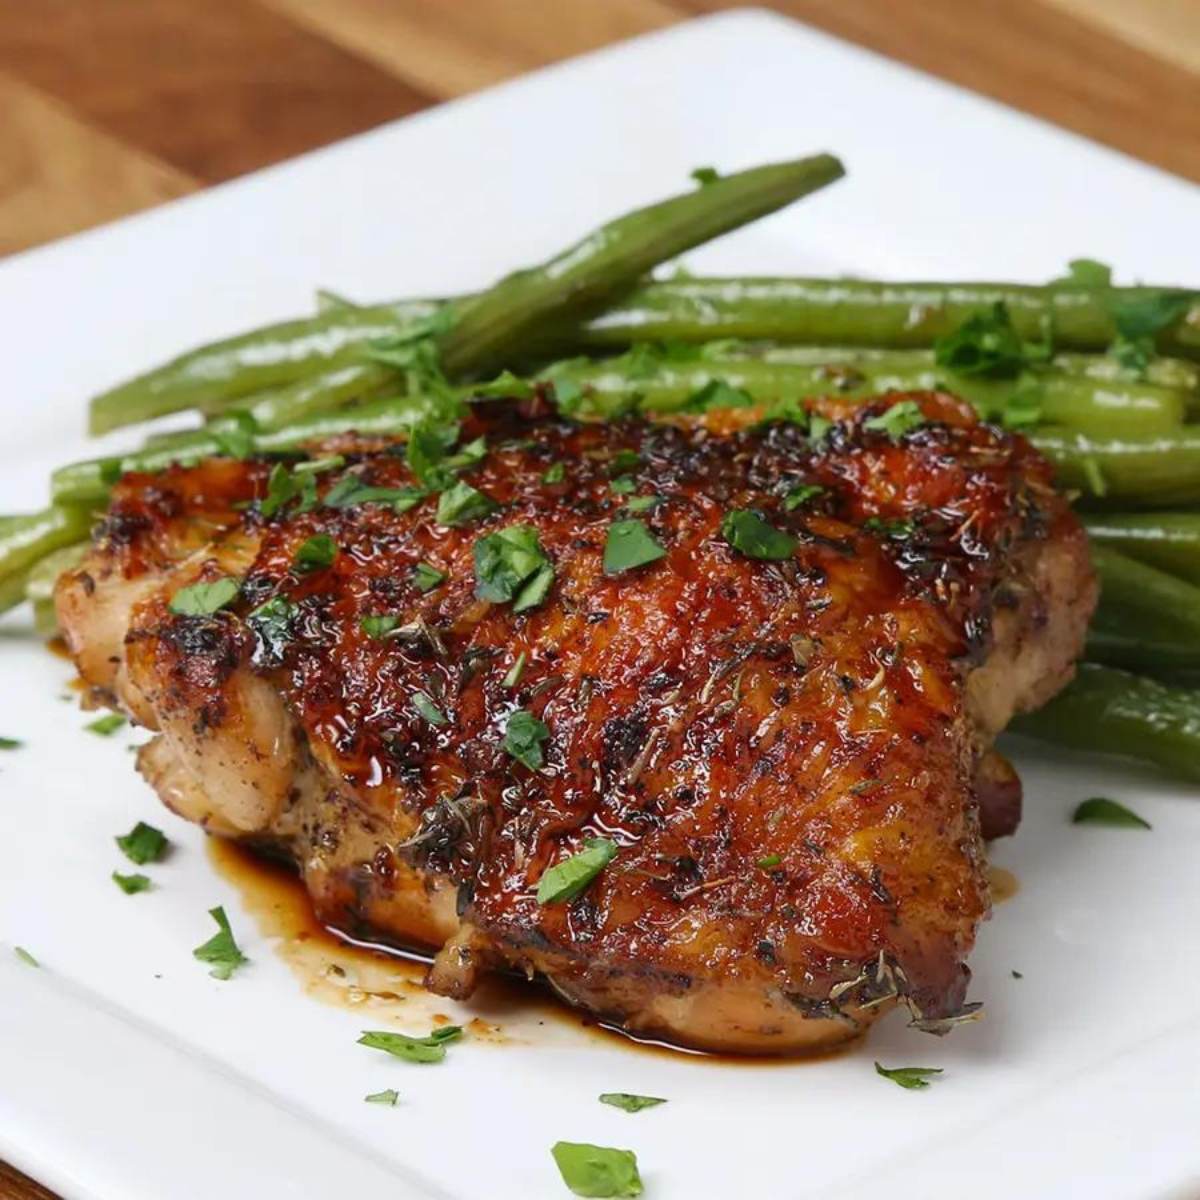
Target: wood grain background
<point>111,106</point>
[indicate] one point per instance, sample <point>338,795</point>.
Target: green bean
<point>1116,712</point>
<point>1175,373</point>
<point>1135,651</point>
<point>1158,471</point>
<point>90,481</point>
<point>493,326</point>
<point>1142,601</point>
<point>1161,370</point>
<point>619,384</point>
<point>865,313</point>
<point>26,539</point>
<point>490,325</point>
<point>210,377</point>
<point>1169,541</point>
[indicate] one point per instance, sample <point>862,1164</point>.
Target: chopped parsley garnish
<point>1099,811</point>
<point>106,725</point>
<point>1140,318</point>
<point>317,466</point>
<point>900,419</point>
<point>801,495</point>
<point>896,528</point>
<point>628,1102</point>
<point>7,743</point>
<point>705,175</point>
<point>425,577</point>
<point>25,956</point>
<point>131,884</point>
<point>1086,272</point>
<point>567,393</point>
<point>624,461</point>
<point>428,1049</point>
<point>818,427</point>
<point>271,622</point>
<point>637,504</point>
<point>221,951</point>
<point>769,862</point>
<point>430,711</point>
<point>461,503</point>
<point>429,445</point>
<point>716,394</point>
<point>1024,407</point>
<point>315,554</point>
<point>569,878</point>
<point>912,1078</point>
<point>988,344</point>
<point>377,627</point>
<point>555,473</point>
<point>204,599</point>
<point>388,1096</point>
<point>282,488</point>
<point>350,492</point>
<point>506,384</point>
<point>510,564</point>
<point>623,485</point>
<point>143,844</point>
<point>523,738</point>
<point>414,352</point>
<point>1093,476</point>
<point>629,544</point>
<point>746,531</point>
<point>235,442</point>
<point>514,673</point>
<point>597,1170</point>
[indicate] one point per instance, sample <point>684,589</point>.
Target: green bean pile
<point>1104,380</point>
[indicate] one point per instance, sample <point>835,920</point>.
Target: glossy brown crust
<point>781,750</point>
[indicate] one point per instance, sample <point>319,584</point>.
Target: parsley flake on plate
<point>569,878</point>
<point>221,950</point>
<point>1100,811</point>
<point>143,844</point>
<point>131,884</point>
<point>428,1049</point>
<point>106,725</point>
<point>597,1170</point>
<point>914,1079</point>
<point>628,1102</point>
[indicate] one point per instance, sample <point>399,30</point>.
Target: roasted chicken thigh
<point>756,668</point>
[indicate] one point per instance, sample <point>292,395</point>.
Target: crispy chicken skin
<point>785,752</point>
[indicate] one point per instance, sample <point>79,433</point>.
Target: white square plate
<point>126,1073</point>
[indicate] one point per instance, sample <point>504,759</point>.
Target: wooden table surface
<point>111,106</point>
